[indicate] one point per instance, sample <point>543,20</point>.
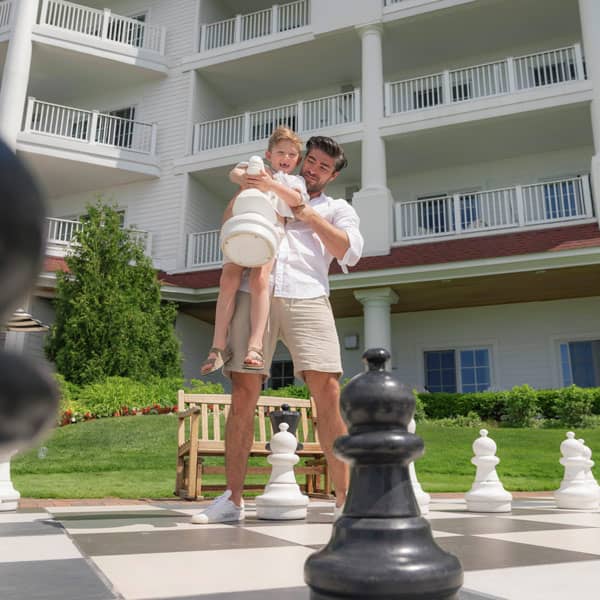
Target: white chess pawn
<point>487,493</point>
<point>574,491</point>
<point>282,499</point>
<point>423,498</point>
<point>589,476</point>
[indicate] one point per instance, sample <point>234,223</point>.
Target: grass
<point>134,457</point>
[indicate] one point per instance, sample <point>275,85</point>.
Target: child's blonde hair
<point>285,134</point>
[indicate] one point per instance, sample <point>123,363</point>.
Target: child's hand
<point>262,181</point>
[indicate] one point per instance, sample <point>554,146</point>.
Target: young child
<point>284,153</point>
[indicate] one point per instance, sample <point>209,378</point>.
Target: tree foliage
<point>110,320</point>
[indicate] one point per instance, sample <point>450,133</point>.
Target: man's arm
<point>335,240</point>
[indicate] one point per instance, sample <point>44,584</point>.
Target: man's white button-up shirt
<point>302,266</point>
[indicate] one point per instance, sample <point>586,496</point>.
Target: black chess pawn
<point>28,397</point>
<point>381,547</point>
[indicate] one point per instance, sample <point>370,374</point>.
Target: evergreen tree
<point>109,315</point>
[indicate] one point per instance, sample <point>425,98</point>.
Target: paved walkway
<point>148,550</point>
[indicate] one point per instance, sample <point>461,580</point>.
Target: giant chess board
<point>152,551</point>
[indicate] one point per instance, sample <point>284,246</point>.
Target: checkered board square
<point>152,551</point>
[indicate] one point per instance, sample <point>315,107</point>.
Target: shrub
<point>288,391</point>
<point>521,406</point>
<point>547,402</point>
<point>574,406</point>
<point>471,419</point>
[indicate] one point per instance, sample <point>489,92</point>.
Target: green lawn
<point>134,457</point>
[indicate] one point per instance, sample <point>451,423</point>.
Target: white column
<point>589,12</point>
<point>373,202</point>
<point>15,77</point>
<point>377,316</point>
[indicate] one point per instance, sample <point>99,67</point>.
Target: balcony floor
<point>151,550</point>
<point>61,176</point>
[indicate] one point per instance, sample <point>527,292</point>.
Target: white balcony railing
<point>5,14</point>
<point>204,249</point>
<point>255,25</point>
<point>102,24</point>
<point>90,126</point>
<point>519,206</point>
<point>61,234</point>
<point>303,116</point>
<point>480,81</point>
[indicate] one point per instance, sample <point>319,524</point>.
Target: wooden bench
<point>200,434</point>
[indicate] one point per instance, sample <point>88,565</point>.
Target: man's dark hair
<point>330,147</point>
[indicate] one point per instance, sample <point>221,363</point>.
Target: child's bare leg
<point>228,287</point>
<point>259,314</point>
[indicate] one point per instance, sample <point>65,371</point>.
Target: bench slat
<point>216,422</point>
<point>205,435</point>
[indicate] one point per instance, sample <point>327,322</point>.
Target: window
<point>427,97</point>
<point>435,214</point>
<point>282,374</point>
<point>554,73</point>
<point>467,370</point>
<point>562,199</point>
<point>580,362</point>
<point>116,132</point>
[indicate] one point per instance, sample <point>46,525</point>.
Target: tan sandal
<point>210,365</point>
<point>255,362</point>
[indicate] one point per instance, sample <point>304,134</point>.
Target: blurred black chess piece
<point>28,395</point>
<point>381,547</point>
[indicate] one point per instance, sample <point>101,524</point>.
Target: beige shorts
<point>305,326</point>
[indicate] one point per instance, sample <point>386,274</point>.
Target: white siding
<point>523,338</point>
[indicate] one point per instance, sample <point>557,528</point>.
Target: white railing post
<point>456,206</point>
<point>587,195</point>
<point>387,99</point>
<point>246,137</point>
<point>237,29</point>
<point>579,61</point>
<point>357,105</point>
<point>153,139</point>
<point>196,138</point>
<point>203,37</point>
<point>93,127</point>
<point>44,13</point>
<point>105,23</point>
<point>510,73</point>
<point>446,89</point>
<point>29,113</point>
<point>163,40</point>
<point>520,205</point>
<point>300,116</point>
<point>275,18</point>
<point>189,251</point>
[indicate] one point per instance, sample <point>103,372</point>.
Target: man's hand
<point>303,212</point>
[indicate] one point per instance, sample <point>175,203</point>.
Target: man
<point>301,316</point>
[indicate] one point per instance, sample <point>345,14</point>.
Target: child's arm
<point>265,183</point>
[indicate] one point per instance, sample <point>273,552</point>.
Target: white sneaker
<point>220,510</point>
<point>337,512</point>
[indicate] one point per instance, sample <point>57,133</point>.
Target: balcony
<point>75,150</point>
<point>204,250</point>
<point>62,231</point>
<point>256,27</point>
<point>5,15</point>
<point>539,204</point>
<point>101,32</point>
<point>340,112</point>
<point>453,92</point>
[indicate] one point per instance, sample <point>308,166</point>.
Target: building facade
<point>472,129</point>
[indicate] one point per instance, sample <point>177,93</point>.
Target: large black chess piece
<point>381,548</point>
<point>28,397</point>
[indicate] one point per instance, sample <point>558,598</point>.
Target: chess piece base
<point>281,502</point>
<point>579,499</point>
